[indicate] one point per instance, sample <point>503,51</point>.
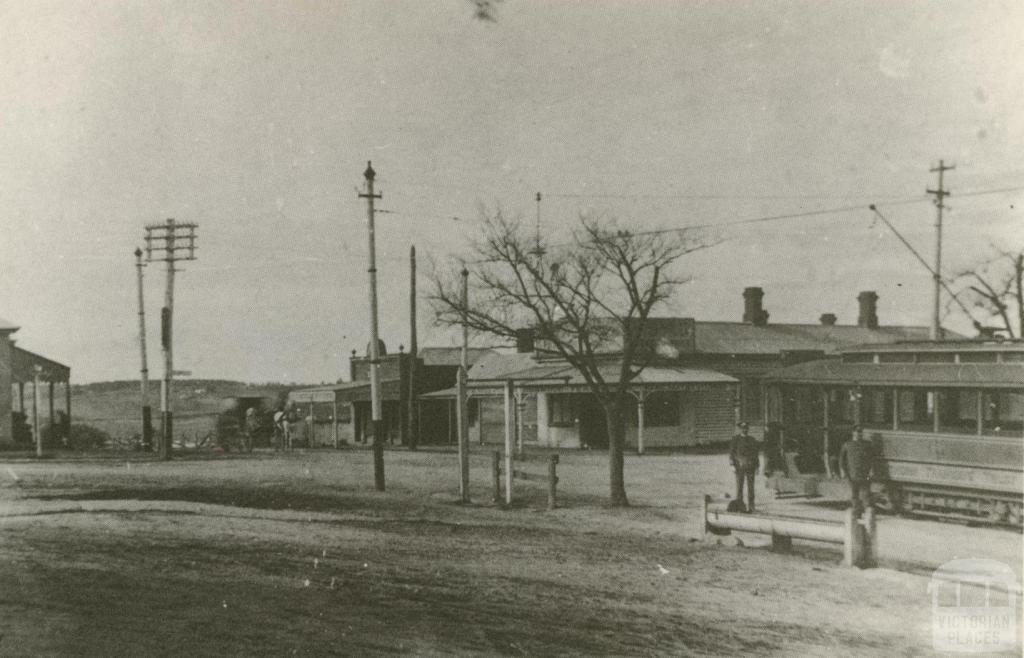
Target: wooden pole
<point>147,411</point>
<point>334,416</point>
<point>508,442</point>
<point>496,473</point>
<point>35,412</point>
<point>375,402</point>
<point>552,481</point>
<point>414,425</point>
<point>463,393</point>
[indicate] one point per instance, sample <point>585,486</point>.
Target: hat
<point>743,424</point>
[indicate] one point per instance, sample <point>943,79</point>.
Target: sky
<point>256,120</point>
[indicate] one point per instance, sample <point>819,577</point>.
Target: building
<point>19,367</point>
<point>341,412</point>
<point>703,377</point>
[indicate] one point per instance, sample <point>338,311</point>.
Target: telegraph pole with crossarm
<point>940,194</point>
<point>375,411</point>
<point>170,242</point>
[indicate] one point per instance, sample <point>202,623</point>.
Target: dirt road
<point>297,555</point>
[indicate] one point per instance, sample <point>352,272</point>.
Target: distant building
<point>18,367</point>
<point>342,411</point>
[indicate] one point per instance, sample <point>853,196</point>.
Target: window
<point>936,357</point>
<point>896,357</point>
<point>876,408</point>
<point>1004,413</point>
<point>561,411</point>
<point>840,406</point>
<point>916,410</point>
<point>958,412</point>
<point>661,410</point>
<point>977,357</point>
<point>859,358</point>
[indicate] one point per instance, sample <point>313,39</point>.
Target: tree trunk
<point>616,441</point>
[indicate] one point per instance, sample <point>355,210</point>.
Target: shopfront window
<point>1004,413</point>
<point>561,411</point>
<point>661,409</point>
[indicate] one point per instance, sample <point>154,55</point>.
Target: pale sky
<point>256,119</point>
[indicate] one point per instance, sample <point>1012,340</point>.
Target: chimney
<point>868,315</point>
<point>828,319</point>
<point>524,341</point>
<point>752,311</point>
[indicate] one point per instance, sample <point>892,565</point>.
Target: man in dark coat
<point>856,460</point>
<point>744,457</point>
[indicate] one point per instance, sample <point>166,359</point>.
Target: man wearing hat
<point>856,460</point>
<point>744,457</point>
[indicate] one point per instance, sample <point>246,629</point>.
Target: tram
<point>946,419</point>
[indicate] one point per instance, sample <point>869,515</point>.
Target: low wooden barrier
<point>551,477</point>
<point>858,536</point>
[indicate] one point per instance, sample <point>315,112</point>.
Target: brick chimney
<point>828,319</point>
<point>752,310</point>
<point>868,315</point>
<point>524,341</point>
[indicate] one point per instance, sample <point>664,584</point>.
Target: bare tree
<point>995,288</point>
<point>588,302</point>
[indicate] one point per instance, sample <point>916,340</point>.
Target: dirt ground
<point>296,554</point>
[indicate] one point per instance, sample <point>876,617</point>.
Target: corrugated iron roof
<point>8,326</point>
<point>832,371</point>
<point>744,338</point>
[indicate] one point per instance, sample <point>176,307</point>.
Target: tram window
<point>1004,413</point>
<point>876,408</point>
<point>916,410</point>
<point>840,406</point>
<point>958,412</point>
<point>1013,357</point>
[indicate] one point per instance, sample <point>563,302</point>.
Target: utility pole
<point>375,416</point>
<point>36,371</point>
<point>414,426</point>
<point>147,411</point>
<point>538,251</point>
<point>940,194</point>
<point>173,241</point>
<point>463,395</point>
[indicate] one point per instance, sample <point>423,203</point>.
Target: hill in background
<point>115,407</point>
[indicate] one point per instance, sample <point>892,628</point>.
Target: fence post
<point>552,480</point>
<point>496,472</point>
<point>869,550</point>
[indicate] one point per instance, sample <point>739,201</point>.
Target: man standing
<point>856,460</point>
<point>743,455</point>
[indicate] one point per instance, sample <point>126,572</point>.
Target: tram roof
<point>954,375</point>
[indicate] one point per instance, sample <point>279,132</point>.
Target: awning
<point>23,366</point>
